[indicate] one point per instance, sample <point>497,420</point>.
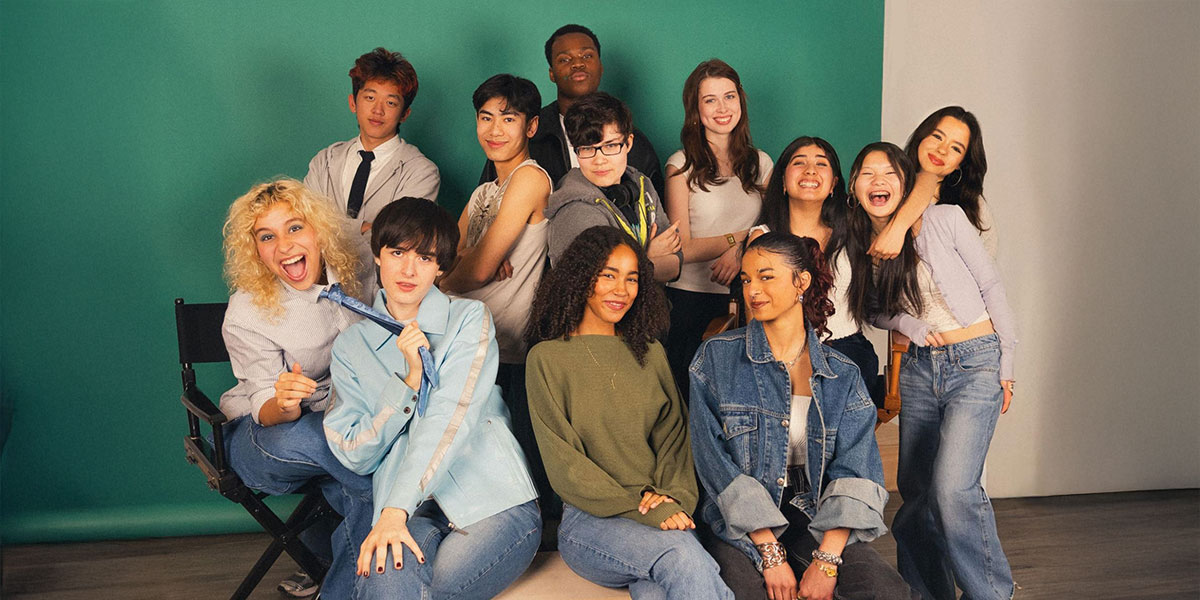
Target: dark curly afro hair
<point>563,292</point>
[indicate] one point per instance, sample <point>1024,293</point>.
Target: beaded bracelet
<point>772,553</point>
<point>828,557</point>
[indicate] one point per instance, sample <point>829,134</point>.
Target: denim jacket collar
<point>432,315</point>
<point>758,350</point>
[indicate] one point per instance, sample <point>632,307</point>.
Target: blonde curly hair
<point>243,268</point>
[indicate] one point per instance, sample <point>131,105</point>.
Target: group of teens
<point>526,371</point>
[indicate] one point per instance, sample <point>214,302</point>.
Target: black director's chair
<point>198,327</point>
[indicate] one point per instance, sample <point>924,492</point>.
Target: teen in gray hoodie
<point>604,190</point>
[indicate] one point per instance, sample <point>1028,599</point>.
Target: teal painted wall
<point>126,128</point>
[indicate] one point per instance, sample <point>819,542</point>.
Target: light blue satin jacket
<point>461,452</point>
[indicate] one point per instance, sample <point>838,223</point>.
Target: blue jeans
<point>282,458</point>
<point>617,552</point>
<point>477,561</point>
<point>945,530</point>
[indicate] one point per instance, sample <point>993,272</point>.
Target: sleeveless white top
<point>724,208</point>
<point>798,431</point>
<point>509,300</point>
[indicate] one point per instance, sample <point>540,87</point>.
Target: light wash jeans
<point>282,458</point>
<point>477,561</point>
<point>945,530</point>
<point>655,564</point>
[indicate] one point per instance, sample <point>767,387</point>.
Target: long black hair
<point>775,205</point>
<point>891,287</point>
<point>965,188</point>
<point>562,295</point>
<point>803,254</point>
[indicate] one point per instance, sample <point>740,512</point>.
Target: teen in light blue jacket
<point>452,465</point>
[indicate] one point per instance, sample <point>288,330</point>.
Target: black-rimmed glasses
<point>612,149</point>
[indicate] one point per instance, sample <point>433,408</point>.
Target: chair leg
<point>311,508</point>
<point>284,538</point>
<point>254,577</point>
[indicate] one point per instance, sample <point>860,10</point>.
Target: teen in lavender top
<point>944,293</point>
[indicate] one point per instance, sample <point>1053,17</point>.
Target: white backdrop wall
<point>1091,117</point>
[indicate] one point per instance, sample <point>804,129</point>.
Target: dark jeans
<point>863,573</point>
<point>859,349</point>
<point>691,313</point>
<point>511,379</point>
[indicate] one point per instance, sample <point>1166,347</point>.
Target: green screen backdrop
<point>127,128</point>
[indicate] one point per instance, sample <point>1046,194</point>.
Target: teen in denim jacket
<point>782,432</point>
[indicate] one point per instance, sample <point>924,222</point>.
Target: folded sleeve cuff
<point>853,503</point>
<point>258,400</point>
<point>746,506</point>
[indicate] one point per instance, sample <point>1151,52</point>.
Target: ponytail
<point>804,254</point>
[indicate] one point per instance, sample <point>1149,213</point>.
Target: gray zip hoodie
<point>578,204</point>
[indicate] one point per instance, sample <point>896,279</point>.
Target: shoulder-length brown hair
<point>700,163</point>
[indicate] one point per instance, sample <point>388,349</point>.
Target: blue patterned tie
<point>429,376</point>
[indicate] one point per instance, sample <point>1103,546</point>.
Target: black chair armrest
<point>198,404</point>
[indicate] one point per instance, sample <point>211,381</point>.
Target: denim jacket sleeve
<point>744,503</point>
<point>854,497</point>
<point>361,429</point>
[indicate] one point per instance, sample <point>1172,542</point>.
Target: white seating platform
<point>549,578</point>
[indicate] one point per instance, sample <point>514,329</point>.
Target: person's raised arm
<point>273,390</point>
<point>888,243</point>
<point>524,198</point>
<point>361,426</point>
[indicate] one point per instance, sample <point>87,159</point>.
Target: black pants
<point>863,574</point>
<point>511,379</point>
<point>691,312</point>
<point>859,349</point>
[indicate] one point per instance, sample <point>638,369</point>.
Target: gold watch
<point>732,240</point>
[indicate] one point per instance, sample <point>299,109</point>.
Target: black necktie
<point>360,184</point>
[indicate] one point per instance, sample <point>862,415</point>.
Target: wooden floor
<point>1138,545</point>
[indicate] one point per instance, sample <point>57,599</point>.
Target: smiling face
<point>575,65</point>
<point>503,133</point>
<point>809,176</point>
<point>720,107</point>
<point>406,276</point>
<point>614,292</point>
<point>603,169</point>
<point>379,109</point>
<point>770,287</point>
<point>943,150</point>
<point>288,246</point>
<point>878,187</point>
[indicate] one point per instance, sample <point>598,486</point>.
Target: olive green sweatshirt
<point>610,429</point>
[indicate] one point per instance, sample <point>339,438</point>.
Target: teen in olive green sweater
<point>610,424</point>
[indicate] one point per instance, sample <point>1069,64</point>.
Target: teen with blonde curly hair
<point>283,243</point>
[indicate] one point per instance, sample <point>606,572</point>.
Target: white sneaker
<point>299,585</point>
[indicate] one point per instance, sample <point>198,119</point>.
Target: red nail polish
<point>380,569</point>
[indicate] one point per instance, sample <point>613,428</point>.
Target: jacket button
<point>779,481</point>
<point>784,423</point>
<point>407,409</point>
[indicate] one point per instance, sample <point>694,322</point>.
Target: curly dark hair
<point>803,254</point>
<point>563,292</point>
